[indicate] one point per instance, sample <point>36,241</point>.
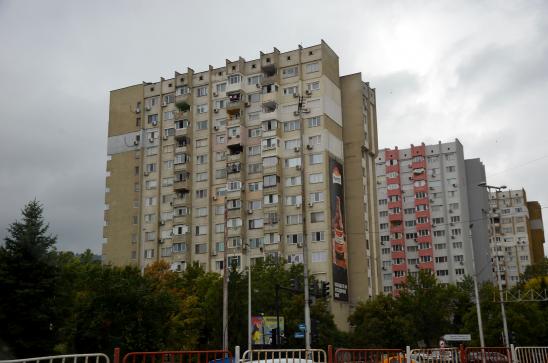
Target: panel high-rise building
<point>275,152</point>
<point>429,206</point>
<point>516,233</point>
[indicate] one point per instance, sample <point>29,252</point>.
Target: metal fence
<point>193,356</point>
<point>369,356</point>
<point>67,358</point>
<point>488,355</point>
<point>531,354</point>
<point>435,355</point>
<point>285,356</point>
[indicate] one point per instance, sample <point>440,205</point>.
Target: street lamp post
<point>497,265</point>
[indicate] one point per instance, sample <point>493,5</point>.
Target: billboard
<point>261,331</point>
<point>338,235</point>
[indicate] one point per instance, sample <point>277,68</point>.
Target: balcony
<point>235,158</point>
<point>180,238</point>
<point>236,102</point>
<point>269,114</point>
<point>233,168</point>
<point>185,219</point>
<point>395,217</point>
<point>269,78</point>
<point>270,100</point>
<point>182,185</point>
<point>181,167</point>
<point>181,133</point>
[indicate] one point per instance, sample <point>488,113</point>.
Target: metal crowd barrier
<point>531,354</point>
<point>66,358</point>
<point>191,356</point>
<point>284,356</point>
<point>369,356</point>
<point>435,355</point>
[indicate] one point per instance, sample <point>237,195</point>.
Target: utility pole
<point>476,293</point>
<point>249,322</point>
<point>305,236</point>
<point>225,280</point>
<point>497,264</point>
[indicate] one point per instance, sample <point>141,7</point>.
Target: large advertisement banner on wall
<point>338,235</point>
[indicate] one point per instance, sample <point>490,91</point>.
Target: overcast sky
<point>473,70</point>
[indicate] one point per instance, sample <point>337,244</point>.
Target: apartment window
<point>201,142</point>
<point>439,233</point>
<point>251,80</point>
<point>150,236</point>
<point>292,181</point>
<point>270,143</point>
<point>220,173</point>
<point>149,254</point>
<point>383,201</point>
<point>290,72</point>
<point>256,242</point>
<point>455,232</point>
<point>221,87</point>
<point>312,67</point>
<point>150,168</point>
<point>421,207</point>
<point>220,104</point>
<point>316,197</point>
<point>455,219</point>
<point>292,144</point>
<point>255,186</point>
<point>234,79</point>
<point>315,140</point>
<point>219,228</point>
<point>383,226</point>
<point>220,122</point>
<point>457,245</point>
<point>270,199</point>
<point>292,162</point>
<point>316,217</point>
<point>256,223</point>
<point>412,235</point>
<point>151,184</point>
<point>201,159</point>
<point>383,213</point>
<point>294,219</point>
<point>392,187</point>
<point>423,232</point>
<point>255,132</point>
<point>459,271</point>
<point>200,248</point>
<point>408,223</point>
<point>135,220</point>
<point>293,200</point>
<point>200,230</point>
<point>440,246</point>
<point>234,222</point>
<point>270,180</point>
<point>201,91</point>
<point>314,86</point>
<point>220,139</point>
<point>254,150</point>
<point>292,125</point>
<point>270,238</point>
<point>438,220</point>
<point>150,201</point>
<point>291,90</point>
<point>201,193</point>
<point>201,125</point>
<point>203,108</point>
<point>182,90</point>
<point>458,258</point>
<point>441,259</point>
<point>153,119</point>
<point>294,238</point>
<point>182,124</point>
<point>316,178</point>
<point>314,121</point>
<point>318,236</point>
<point>254,168</point>
<point>152,150</point>
<point>201,176</point>
<point>254,204</point>
<point>315,159</point>
<point>178,247</point>
<point>319,256</point>
<point>233,185</point>
<point>182,211</point>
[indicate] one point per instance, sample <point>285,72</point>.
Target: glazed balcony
<point>233,168</point>
<point>236,102</point>
<point>182,185</point>
<point>270,100</point>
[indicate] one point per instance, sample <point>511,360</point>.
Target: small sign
<point>302,327</point>
<point>457,337</point>
<point>298,335</point>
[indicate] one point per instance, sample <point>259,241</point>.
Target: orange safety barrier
<point>191,356</point>
<point>369,356</point>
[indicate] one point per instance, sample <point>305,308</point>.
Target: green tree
<point>28,277</point>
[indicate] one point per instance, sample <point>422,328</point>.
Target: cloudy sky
<point>473,70</point>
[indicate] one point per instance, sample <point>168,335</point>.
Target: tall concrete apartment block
<point>515,233</point>
<point>282,143</point>
<point>424,215</point>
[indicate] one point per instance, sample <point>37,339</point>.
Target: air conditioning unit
<point>214,197</point>
<point>135,142</point>
<point>297,149</point>
<point>160,241</point>
<point>215,94</point>
<point>151,139</point>
<point>171,203</point>
<point>296,113</point>
<point>148,108</point>
<point>297,206</point>
<point>216,128</point>
<point>305,110</point>
<point>137,110</point>
<point>299,244</point>
<point>250,211</point>
<point>258,85</point>
<point>308,92</point>
<point>310,204</point>
<point>247,104</point>
<point>164,104</point>
<point>214,253</point>
<point>296,95</point>
<point>431,200</point>
<point>298,167</point>
<point>146,173</point>
<point>454,185</point>
<point>165,137</point>
<point>216,110</point>
<point>162,222</point>
<point>309,147</point>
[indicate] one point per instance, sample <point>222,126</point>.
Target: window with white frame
<point>315,159</point>
<point>293,200</point>
<point>312,67</point>
<point>314,121</point>
<point>313,86</point>
<point>315,140</point>
<point>292,125</point>
<point>317,236</point>
<point>292,162</point>
<point>290,72</point>
<point>316,217</point>
<point>316,197</point>
<point>294,219</point>
<point>292,181</point>
<point>315,178</point>
<point>221,87</point>
<point>203,108</point>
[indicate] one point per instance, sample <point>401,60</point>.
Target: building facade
<point>255,158</point>
<point>424,217</point>
<point>515,236</point>
<point>536,232</point>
